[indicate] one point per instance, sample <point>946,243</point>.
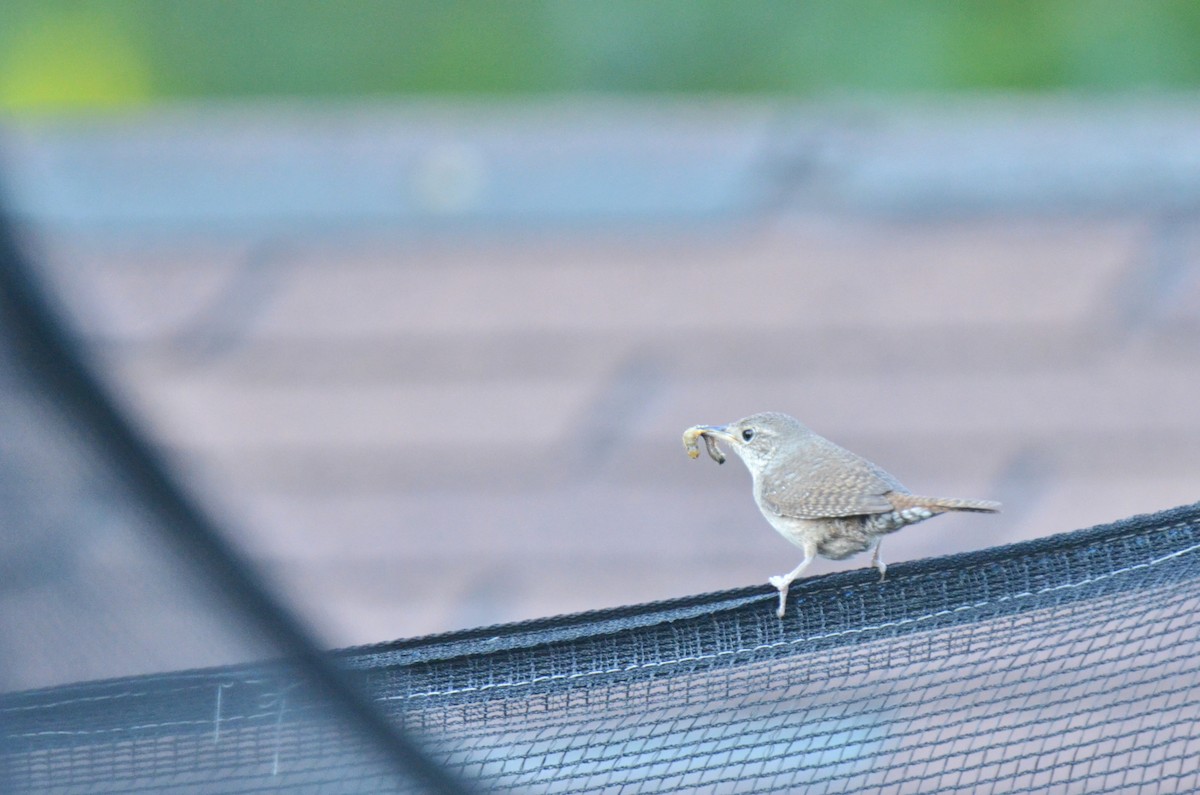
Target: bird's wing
<point>830,481</point>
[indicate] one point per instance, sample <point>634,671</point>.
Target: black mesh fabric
<point>1069,664</point>
<point>109,568</point>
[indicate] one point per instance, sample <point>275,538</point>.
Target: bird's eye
<point>748,434</point>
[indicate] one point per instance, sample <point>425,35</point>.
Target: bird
<point>817,495</point>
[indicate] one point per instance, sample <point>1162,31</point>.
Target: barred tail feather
<point>942,504</point>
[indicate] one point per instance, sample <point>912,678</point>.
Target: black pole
<point>55,364</point>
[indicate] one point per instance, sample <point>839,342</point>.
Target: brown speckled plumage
<point>821,497</point>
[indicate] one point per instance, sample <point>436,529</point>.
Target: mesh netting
<point>1069,664</point>
<point>1065,664</point>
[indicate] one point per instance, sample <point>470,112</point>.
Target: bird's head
<point>759,438</point>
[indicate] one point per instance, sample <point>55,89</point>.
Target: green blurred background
<point>62,55</point>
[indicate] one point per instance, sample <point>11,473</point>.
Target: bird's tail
<point>942,504</point>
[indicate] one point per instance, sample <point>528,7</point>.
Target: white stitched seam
<point>795,641</point>
<point>130,694</point>
<point>140,726</point>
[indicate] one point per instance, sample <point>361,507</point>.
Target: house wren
<point>821,497</point>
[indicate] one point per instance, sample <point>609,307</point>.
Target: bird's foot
<point>878,563</point>
<point>781,584</point>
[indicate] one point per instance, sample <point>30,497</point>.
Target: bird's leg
<point>877,561</point>
<point>783,582</point>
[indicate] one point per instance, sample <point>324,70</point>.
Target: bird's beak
<point>720,432</point>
